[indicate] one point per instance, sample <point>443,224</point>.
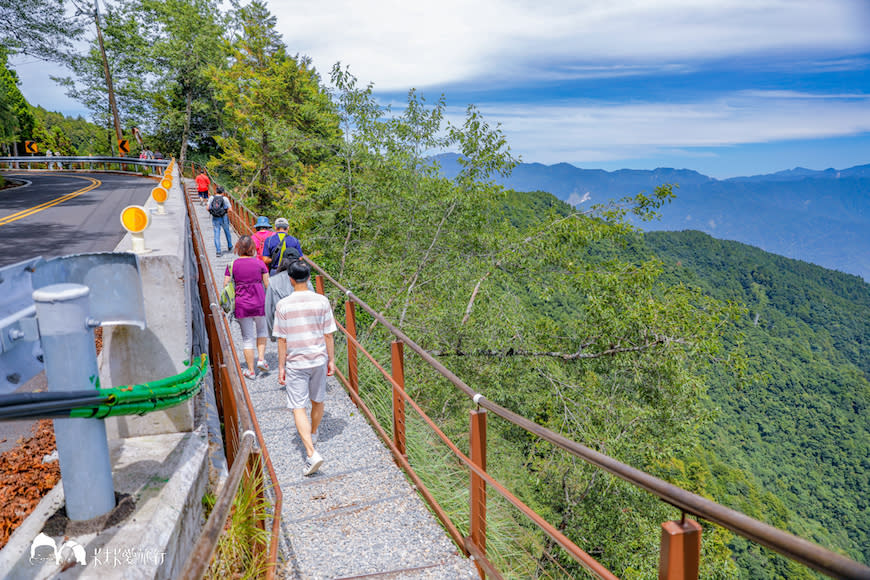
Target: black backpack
<point>281,250</point>
<point>217,207</point>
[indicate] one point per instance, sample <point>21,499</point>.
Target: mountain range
<point>822,217</point>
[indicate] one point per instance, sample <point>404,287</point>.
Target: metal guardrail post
<point>70,365</point>
<point>318,284</point>
<point>680,555</point>
<point>398,372</point>
<point>350,324</point>
<point>477,454</point>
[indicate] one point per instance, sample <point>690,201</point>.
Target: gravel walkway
<point>357,516</point>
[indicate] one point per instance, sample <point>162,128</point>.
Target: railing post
<point>350,324</point>
<point>478,484</point>
<point>318,284</point>
<point>398,367</point>
<point>67,337</point>
<point>680,550</point>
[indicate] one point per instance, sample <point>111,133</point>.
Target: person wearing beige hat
<point>280,244</point>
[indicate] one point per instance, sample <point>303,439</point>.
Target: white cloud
<point>801,95</point>
<point>594,132</point>
<point>576,199</point>
<point>399,45</point>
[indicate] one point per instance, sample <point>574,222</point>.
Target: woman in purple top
<point>251,278</point>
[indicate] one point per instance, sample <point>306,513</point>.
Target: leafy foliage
<point>278,121</point>
<point>73,136</point>
<point>126,50</point>
<point>38,28</point>
<point>186,42</point>
<point>792,450</point>
<point>16,119</point>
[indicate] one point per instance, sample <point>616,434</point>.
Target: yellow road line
<point>95,183</point>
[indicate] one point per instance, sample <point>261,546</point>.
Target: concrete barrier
<point>160,461</point>
<point>131,355</point>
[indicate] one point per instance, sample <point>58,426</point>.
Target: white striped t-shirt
<point>302,318</point>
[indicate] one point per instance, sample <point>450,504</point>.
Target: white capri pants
<point>253,327</point>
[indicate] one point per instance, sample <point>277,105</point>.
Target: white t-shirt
<point>302,319</point>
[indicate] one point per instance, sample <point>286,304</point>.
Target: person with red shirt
<point>202,184</point>
<point>264,231</point>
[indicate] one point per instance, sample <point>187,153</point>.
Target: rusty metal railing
<point>245,448</point>
<point>241,218</point>
<point>680,540</point>
<point>680,549</point>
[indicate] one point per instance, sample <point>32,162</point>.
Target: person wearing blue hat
<point>264,231</point>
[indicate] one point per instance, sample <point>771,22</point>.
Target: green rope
<point>147,397</point>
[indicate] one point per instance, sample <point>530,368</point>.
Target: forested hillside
<point>793,449</point>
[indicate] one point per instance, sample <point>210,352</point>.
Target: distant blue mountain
<point>821,217</point>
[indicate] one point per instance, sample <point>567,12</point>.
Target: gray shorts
<point>304,385</point>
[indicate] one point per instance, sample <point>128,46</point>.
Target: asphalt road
<point>65,213</point>
<point>58,214</point>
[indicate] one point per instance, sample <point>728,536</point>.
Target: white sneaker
<point>312,464</point>
<point>262,365</point>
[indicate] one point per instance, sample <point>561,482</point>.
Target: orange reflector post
<point>680,550</point>
<point>166,183</point>
<point>135,219</point>
<point>159,194</point>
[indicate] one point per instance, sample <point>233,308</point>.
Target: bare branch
<point>423,262</point>
<point>579,355</point>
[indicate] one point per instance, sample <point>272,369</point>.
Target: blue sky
<point>727,88</point>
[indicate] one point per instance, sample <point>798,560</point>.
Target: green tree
<point>186,40</point>
<point>16,119</point>
<point>127,50</point>
<point>85,138</point>
<point>279,124</point>
<point>39,28</point>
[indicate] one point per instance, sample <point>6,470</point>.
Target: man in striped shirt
<point>306,355</point>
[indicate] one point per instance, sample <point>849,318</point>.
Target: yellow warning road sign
<point>123,146</point>
<point>31,147</point>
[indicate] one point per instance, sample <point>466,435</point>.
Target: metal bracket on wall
<point>115,298</point>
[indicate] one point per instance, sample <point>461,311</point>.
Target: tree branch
<point>423,262</point>
<point>511,250</point>
<point>512,352</point>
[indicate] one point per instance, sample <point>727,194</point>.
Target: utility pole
<point>112,105</point>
